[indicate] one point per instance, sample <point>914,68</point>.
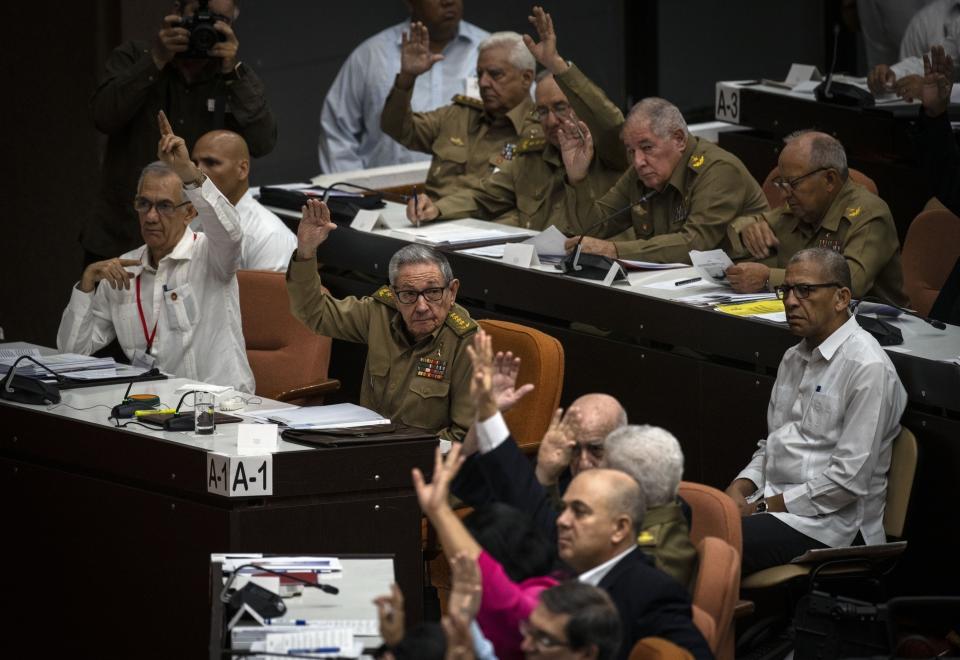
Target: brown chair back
<point>903,467</point>
<point>775,198</point>
<point>714,514</point>
<point>541,363</point>
<point>930,250</point>
<point>658,648</point>
<point>716,593</point>
<point>283,353</point>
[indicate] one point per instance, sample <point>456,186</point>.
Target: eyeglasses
<point>595,449</point>
<point>788,185</point>
<point>801,291</point>
<point>541,638</point>
<point>409,296</point>
<point>559,109</point>
<point>164,206</point>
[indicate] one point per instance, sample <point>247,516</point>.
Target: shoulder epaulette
<point>385,295</point>
<point>530,144</point>
<point>696,161</point>
<point>461,324</point>
<point>469,101</point>
<point>853,212</point>
<point>647,539</point>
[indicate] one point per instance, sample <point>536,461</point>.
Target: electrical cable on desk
<point>67,405</point>
<point>275,654</point>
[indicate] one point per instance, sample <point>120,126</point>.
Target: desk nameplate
<point>239,476</point>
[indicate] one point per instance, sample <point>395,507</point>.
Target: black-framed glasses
<point>560,109</point>
<point>541,638</point>
<point>594,449</point>
<point>409,296</point>
<point>788,185</point>
<point>164,206</point>
<point>801,291</point>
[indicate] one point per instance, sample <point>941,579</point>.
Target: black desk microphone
<point>571,262</point>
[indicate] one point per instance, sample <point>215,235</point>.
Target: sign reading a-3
<point>727,105</point>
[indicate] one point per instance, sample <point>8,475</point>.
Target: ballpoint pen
<point>416,207</point>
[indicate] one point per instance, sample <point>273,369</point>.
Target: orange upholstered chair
<point>288,361</point>
<point>541,363</point>
<point>716,593</point>
<point>658,648</point>
<point>714,514</point>
<point>930,251</point>
<point>775,198</point>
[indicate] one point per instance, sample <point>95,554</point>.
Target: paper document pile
<point>337,416</point>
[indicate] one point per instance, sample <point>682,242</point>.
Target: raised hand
<point>909,88</point>
<point>111,270</point>
<point>545,50</point>
<point>415,55</point>
<point>315,225</point>
<point>466,588</point>
<point>506,368</point>
<point>226,50</point>
<point>459,638</point>
<point>172,150</point>
<point>758,238</point>
<point>390,614</point>
<point>576,149</point>
<point>556,446</point>
<point>171,39</point>
<point>435,495</point>
<point>420,208</point>
<point>937,82</point>
<point>481,384</point>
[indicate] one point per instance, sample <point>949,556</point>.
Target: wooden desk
<point>108,533</point>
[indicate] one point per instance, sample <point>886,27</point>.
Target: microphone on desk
<point>400,198</point>
<point>841,93</point>
<point>226,595</point>
<point>26,389</point>
<point>939,325</point>
<point>575,261</point>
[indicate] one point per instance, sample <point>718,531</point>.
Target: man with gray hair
<point>417,369</point>
<point>467,138</point>
<point>824,208</point>
<point>819,478</point>
<point>679,195</point>
<point>652,456</point>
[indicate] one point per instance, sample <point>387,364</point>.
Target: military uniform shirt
<point>530,191</point>
<point>858,225</point>
<point>665,537</point>
<point>707,190</point>
<point>438,401</point>
<point>465,141</point>
<point>599,113</point>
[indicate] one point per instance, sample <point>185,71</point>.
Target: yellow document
<point>752,308</point>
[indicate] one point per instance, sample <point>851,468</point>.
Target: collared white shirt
<point>597,573</point>
<point>350,135</point>
<point>267,242</point>
<point>937,24</point>
<point>192,297</point>
<point>833,415</point>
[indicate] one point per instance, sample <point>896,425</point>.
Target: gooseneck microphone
<point>572,262</point>
<point>225,595</point>
<point>392,196</point>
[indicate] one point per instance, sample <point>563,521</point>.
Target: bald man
<point>267,242</point>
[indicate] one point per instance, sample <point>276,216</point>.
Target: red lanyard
<point>143,321</point>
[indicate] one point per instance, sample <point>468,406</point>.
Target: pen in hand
<point>416,207</point>
<point>683,282</point>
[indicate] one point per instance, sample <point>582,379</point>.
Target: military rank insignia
<point>646,539</point>
<point>431,367</point>
<point>853,212</point>
<point>456,140</point>
<point>508,149</point>
<point>827,244</point>
<point>696,161</point>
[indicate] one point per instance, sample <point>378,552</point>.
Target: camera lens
<point>203,38</point>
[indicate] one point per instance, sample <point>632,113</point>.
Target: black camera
<point>203,36</point>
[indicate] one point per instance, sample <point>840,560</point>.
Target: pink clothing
<point>505,604</point>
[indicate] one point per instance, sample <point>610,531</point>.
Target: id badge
<point>143,360</point>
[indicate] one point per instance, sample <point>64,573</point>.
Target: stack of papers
<point>452,234</point>
<point>549,244</point>
<point>336,643</point>
<point>338,416</point>
<point>756,308</point>
<point>711,299</point>
<point>61,363</point>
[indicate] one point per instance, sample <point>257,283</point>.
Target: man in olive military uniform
<point>680,194</point>
<point>824,208</point>
<point>417,370</point>
<point>469,138</point>
<point>531,189</point>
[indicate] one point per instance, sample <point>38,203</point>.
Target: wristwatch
<point>761,507</point>
<point>196,183</point>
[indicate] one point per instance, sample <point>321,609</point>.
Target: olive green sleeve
<point>602,117</point>
<point>716,198</point>
<point>414,130</point>
<point>587,210</point>
<point>870,245</point>
<point>347,319</point>
<point>461,204</point>
<point>462,410</point>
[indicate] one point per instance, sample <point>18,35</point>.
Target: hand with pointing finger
<point>111,270</point>
<point>172,150</point>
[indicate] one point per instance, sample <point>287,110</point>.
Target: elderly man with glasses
<point>824,208</point>
<point>417,371</point>
<point>819,478</point>
<point>173,302</point>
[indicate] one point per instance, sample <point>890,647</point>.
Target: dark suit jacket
<point>651,604</point>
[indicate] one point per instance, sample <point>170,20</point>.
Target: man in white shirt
<point>350,135</point>
<point>173,302</point>
<point>937,24</point>
<point>267,242</point>
<point>819,478</point>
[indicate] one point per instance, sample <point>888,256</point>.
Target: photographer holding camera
<point>191,71</point>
